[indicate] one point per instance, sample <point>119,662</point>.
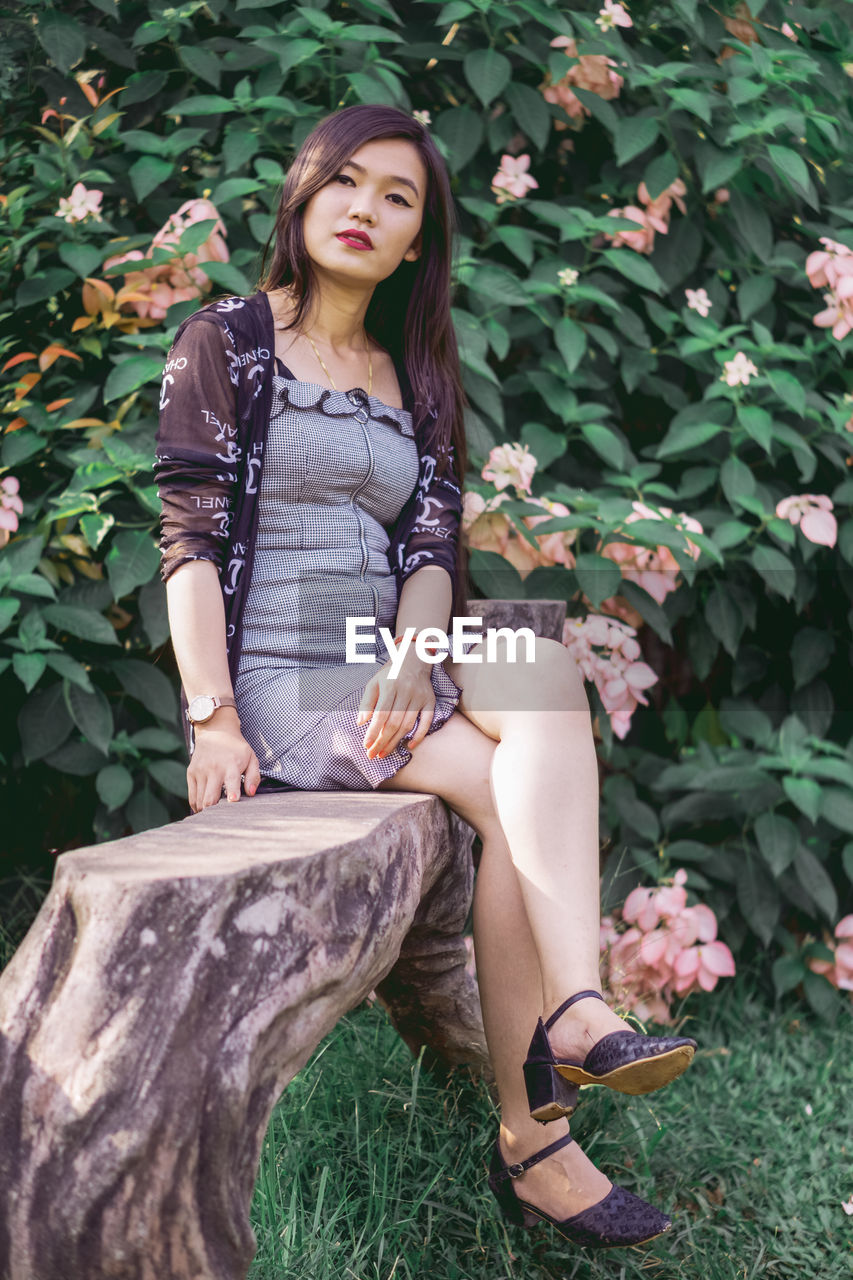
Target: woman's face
<point>380,190</point>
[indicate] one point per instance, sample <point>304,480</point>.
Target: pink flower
<point>698,300</point>
<point>643,239</point>
<point>668,949</point>
<point>613,15</point>
<point>738,371</point>
<point>788,31</point>
<point>832,266</point>
<point>721,195</point>
<point>704,964</point>
<point>80,205</point>
<point>512,182</point>
<point>813,513</point>
<point>179,278</point>
<point>11,505</point>
<point>591,71</point>
<point>510,464</point>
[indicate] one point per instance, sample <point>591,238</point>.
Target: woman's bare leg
<point>456,763</point>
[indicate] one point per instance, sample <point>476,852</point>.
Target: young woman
<point>310,456</point>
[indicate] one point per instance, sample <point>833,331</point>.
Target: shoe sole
<point>632,1244</point>
<point>552,1111</point>
<point>643,1076</point>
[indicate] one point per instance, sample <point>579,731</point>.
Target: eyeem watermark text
<point>429,638</point>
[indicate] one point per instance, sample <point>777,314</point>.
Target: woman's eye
<point>395,195</point>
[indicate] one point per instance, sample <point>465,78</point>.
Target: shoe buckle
<point>515,1170</point>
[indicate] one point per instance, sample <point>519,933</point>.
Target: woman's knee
<point>454,763</point>
<point>509,679</point>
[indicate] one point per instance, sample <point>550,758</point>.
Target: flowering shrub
<point>669,949</point>
<point>659,414</point>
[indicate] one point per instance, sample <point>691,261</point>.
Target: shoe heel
<point>549,1095</point>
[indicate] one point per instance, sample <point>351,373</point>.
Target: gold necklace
<point>329,376</point>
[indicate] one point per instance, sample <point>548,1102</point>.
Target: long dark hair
<point>409,312</point>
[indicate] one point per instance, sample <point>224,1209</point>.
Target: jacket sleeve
<point>197,455</point>
<point>434,536</point>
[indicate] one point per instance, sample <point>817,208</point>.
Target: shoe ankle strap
<point>516,1170</point>
<point>571,1000</point>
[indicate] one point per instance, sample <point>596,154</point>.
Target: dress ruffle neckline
<point>313,395</point>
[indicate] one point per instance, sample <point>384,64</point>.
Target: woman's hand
<point>221,755</point>
<point>393,706</point>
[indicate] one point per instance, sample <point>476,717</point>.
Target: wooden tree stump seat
<point>172,985</point>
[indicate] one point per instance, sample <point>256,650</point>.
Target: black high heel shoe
<point>621,1218</point>
<point>623,1060</point>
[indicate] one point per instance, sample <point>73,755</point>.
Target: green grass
<point>371,1169</point>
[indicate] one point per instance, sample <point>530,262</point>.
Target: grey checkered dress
<point>338,469</point>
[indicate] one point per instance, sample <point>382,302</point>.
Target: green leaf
<point>29,668</point>
<point>145,811</point>
<point>758,898</point>
<point>132,373</point>
<point>755,293</point>
<point>488,72</point>
<point>698,104</point>
<point>92,714</point>
<point>836,805</point>
<point>22,555</point>
<point>234,187</point>
<point>8,608</point>
<point>790,165</point>
<point>724,617</point>
<point>32,584</point>
<point>96,525</point>
<point>634,267</point>
<point>788,972</point>
<point>530,111</point>
<point>777,839</point>
<point>789,389</point>
<point>114,784</point>
<point>171,775</point>
<point>570,339</point>
<point>687,436</point>
<point>605,442</point>
<point>495,576</point>
<point>718,167</point>
<point>132,560</point>
<point>813,876</point>
<point>633,811</point>
<point>202,63</point>
<point>45,285</point>
<point>156,740</point>
<point>83,259</point>
<point>44,722</point>
<point>660,173</point>
<point>598,577</point>
<point>811,651</point>
<point>75,757</point>
<point>776,570</point>
<point>634,134</point>
<point>821,994</point>
<point>688,851</point>
<point>72,670</point>
<point>461,131</point>
<point>758,425</point>
<point>85,623</point>
<point>148,173</point>
<point>805,794</point>
<point>228,276</point>
<point>61,37</point>
<point>208,104</point>
<point>153,612</point>
<point>148,685</point>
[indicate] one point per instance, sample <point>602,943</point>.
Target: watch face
<point>201,708</point>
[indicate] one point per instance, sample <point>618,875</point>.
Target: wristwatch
<point>202,707</point>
